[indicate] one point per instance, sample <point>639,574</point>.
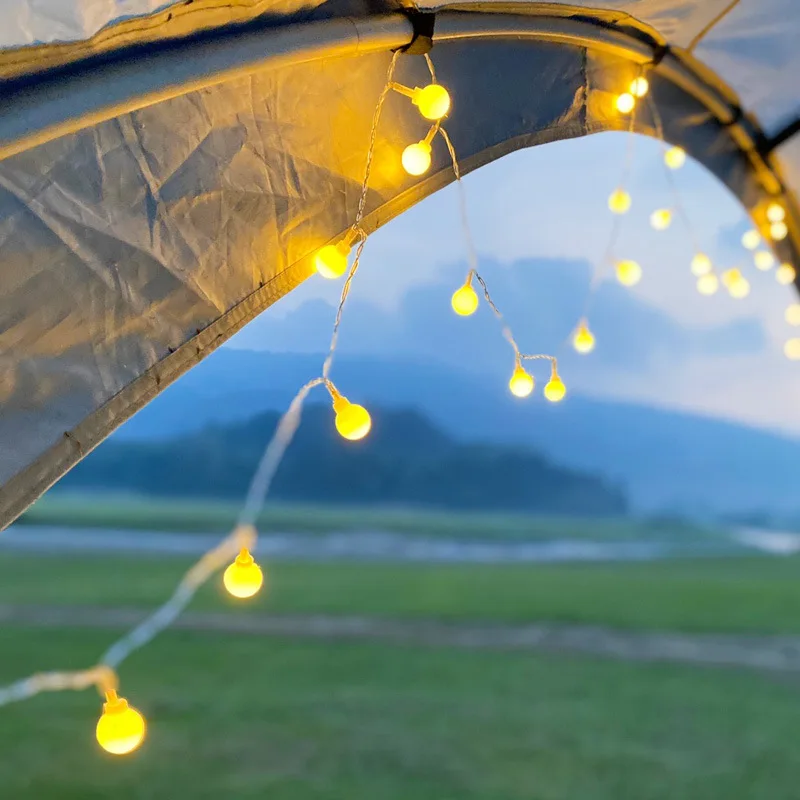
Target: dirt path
<point>772,653</point>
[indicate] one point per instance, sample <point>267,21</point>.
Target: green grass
<point>733,595</point>
<point>244,718</point>
<point>104,511</point>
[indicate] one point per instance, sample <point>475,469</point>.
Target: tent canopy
<point>167,171</point>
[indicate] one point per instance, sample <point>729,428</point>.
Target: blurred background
<point>485,598</point>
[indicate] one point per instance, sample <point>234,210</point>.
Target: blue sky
<point>549,204</point>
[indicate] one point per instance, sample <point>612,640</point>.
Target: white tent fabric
<point>165,181</point>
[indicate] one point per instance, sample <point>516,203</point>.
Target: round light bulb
<point>121,728</point>
<point>793,314</point>
<point>555,391</point>
<point>738,285</point>
<point>629,273</point>
<point>464,300</point>
<point>764,260</point>
<point>639,87</point>
<point>352,421</point>
<point>778,231</point>
<point>785,274</point>
<point>331,261</point>
<point>433,101</point>
<point>619,201</point>
<point>751,239</point>
<point>708,284</point>
<point>243,578</point>
<point>521,383</point>
<point>776,212</point>
<point>583,339</point>
<point>701,265</point>
<point>625,103</point>
<point>660,219</point>
<point>417,158</point>
<point>792,349</point>
<point>675,157</point>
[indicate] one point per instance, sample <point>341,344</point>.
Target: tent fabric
<point>134,245</point>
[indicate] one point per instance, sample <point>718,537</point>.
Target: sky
<point>546,205</point>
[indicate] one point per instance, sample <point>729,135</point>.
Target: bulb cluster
<point>433,102</point>
<point>626,102</point>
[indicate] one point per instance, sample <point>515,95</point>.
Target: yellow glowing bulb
<point>751,239</point>
<point>701,265</point>
<point>792,349</point>
<point>352,421</point>
<point>464,300</point>
<point>583,339</point>
<point>675,157</point>
<point>554,390</point>
<point>776,212</point>
<point>793,314</point>
<point>708,284</point>
<point>639,87</point>
<point>764,260</point>
<point>433,101</point>
<point>120,729</point>
<point>243,578</point>
<point>521,383</point>
<point>738,286</point>
<point>625,103</point>
<point>778,231</point>
<point>785,274</point>
<point>619,201</point>
<point>661,219</point>
<point>629,273</point>
<point>417,158</point>
<point>331,261</point>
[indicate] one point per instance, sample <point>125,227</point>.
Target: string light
<point>521,383</point>
<point>244,577</point>
<point>792,349</point>
<point>331,261</point>
<point>433,100</point>
<point>465,299</point>
<point>619,201</point>
<point>629,273</point>
<point>751,239</point>
<point>353,422</point>
<point>737,285</point>
<point>661,219</point>
<point>764,260</point>
<point>625,103</point>
<point>778,231</point>
<point>121,729</point>
<point>792,314</point>
<point>785,274</point>
<point>708,284</point>
<point>555,390</point>
<point>639,87</point>
<point>701,265</point>
<point>583,339</point>
<point>417,158</point>
<point>675,157</point>
<point>776,212</point>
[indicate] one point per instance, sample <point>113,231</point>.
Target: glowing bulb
<point>661,219</point>
<point>675,157</point>
<point>352,421</point>
<point>433,101</point>
<point>625,103</point>
<point>629,273</point>
<point>521,383</point>
<point>792,349</point>
<point>121,728</point>
<point>785,274</point>
<point>751,239</point>
<point>639,87</point>
<point>793,314</point>
<point>701,265</point>
<point>243,578</point>
<point>776,212</point>
<point>583,339</point>
<point>764,260</point>
<point>737,285</point>
<point>555,390</point>
<point>417,158</point>
<point>619,201</point>
<point>708,284</point>
<point>778,231</point>
<point>331,261</point>
<point>464,300</point>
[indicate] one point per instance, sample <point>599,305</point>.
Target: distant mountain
<point>404,461</point>
<point>668,461</point>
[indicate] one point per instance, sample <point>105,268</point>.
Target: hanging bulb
<point>583,339</point>
<point>764,260</point>
<point>793,314</point>
<point>243,578</point>
<point>619,201</point>
<point>785,274</point>
<point>465,299</point>
<point>417,158</point>
<point>625,103</point>
<point>331,261</point>
<point>792,349</point>
<point>629,273</point>
<point>433,101</point>
<point>639,87</point>
<point>675,157</point>
<point>751,239</point>
<point>778,231</point>
<point>776,212</point>
<point>121,728</point>
<point>555,390</point>
<point>737,285</point>
<point>708,284</point>
<point>521,383</point>
<point>701,265</point>
<point>353,422</point>
<point>660,219</point>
